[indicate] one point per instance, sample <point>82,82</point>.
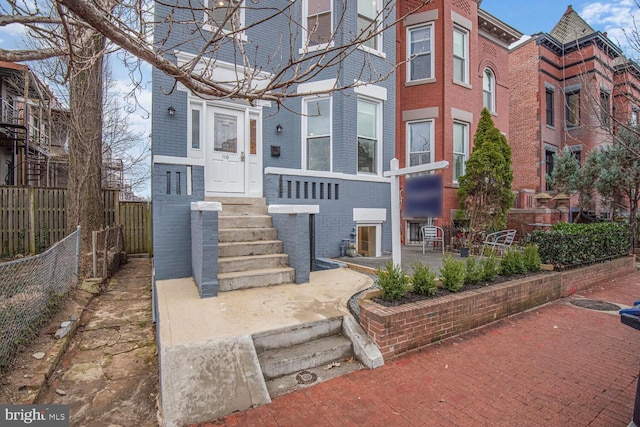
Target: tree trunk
<point>85,206</point>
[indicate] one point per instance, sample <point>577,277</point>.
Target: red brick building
<point>453,61</point>
<point>570,88</point>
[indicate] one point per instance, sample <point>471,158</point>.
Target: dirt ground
<point>107,371</point>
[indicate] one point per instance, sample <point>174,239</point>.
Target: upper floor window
<point>489,90</point>
<point>573,109</point>
<point>317,133</point>
<point>317,15</point>
<point>420,135</point>
<point>419,53</point>
<point>369,129</point>
<point>227,15</point>
<point>633,119</point>
<point>460,148</point>
<point>605,108</point>
<point>549,106</point>
<point>549,163</point>
<point>460,55</point>
<point>368,23</point>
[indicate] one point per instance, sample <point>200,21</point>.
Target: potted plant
<point>352,251</point>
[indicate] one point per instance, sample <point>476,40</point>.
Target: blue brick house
<point>321,156</point>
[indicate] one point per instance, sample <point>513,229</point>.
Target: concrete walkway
<point>556,365</point>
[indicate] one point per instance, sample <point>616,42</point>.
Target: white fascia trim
<point>226,73</point>
<point>294,209</point>
<point>206,206</point>
<point>173,160</point>
<point>369,215</point>
<point>327,175</point>
<point>370,90</point>
<point>317,86</point>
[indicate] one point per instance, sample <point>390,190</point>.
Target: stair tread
<point>257,272</point>
<point>247,257</point>
<point>252,242</point>
<point>303,349</point>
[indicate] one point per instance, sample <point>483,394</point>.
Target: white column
<point>396,250</point>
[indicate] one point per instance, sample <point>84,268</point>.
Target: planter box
<point>397,330</point>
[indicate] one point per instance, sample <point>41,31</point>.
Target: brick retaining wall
<point>397,330</point>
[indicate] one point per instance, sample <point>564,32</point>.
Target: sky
<point>540,16</point>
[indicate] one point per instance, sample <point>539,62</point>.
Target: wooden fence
<point>33,218</point>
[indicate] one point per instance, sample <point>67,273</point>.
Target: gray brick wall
<point>171,212</point>
<point>204,251</point>
<point>293,231</point>
<point>335,221</point>
<point>171,215</point>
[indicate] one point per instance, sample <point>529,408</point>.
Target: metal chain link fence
<point>30,288</point>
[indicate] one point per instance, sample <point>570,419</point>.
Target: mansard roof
<point>571,27</point>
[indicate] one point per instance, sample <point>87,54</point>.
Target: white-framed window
<point>369,132</point>
<point>195,137</point>
<point>420,142</point>
<point>227,15</point>
<point>368,23</point>
<point>489,90</point>
<point>316,128</point>
<point>420,52</point>
<point>460,148</point>
<point>318,18</point>
<point>633,119</point>
<point>460,55</point>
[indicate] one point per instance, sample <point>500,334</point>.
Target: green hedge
<point>570,245</point>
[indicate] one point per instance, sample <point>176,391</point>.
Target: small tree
<point>485,189</point>
<point>619,174</point>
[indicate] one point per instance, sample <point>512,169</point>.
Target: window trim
<point>549,108</point>
<point>379,140</point>
<point>465,34</point>
<point>379,36</point>
<point>568,109</point>
<point>306,47</point>
<point>455,179</point>
<point>208,27</point>
<point>431,26</point>
<point>303,127</point>
<point>492,93</point>
<point>408,139</point>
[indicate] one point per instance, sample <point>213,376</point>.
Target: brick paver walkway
<point>555,365</point>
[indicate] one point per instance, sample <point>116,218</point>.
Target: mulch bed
<point>410,297</point>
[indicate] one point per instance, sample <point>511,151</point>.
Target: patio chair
<point>498,241</point>
<point>430,235</point>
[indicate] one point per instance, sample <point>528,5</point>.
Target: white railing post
<point>396,249</point>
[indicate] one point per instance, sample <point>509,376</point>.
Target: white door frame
<point>252,185</point>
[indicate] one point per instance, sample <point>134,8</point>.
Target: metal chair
<point>499,240</point>
<point>430,235</point>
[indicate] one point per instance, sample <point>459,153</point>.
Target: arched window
<point>489,90</point>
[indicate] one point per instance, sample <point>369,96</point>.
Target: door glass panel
<point>253,136</point>
<point>225,133</point>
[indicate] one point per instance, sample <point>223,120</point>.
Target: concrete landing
<point>208,362</point>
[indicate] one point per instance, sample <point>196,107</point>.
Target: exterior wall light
<point>278,128</point>
<point>171,111</point>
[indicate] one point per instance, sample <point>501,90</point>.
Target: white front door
<point>225,171</point>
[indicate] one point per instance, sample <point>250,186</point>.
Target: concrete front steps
<point>306,354</point>
<point>249,254</point>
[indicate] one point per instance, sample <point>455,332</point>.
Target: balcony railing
<point>9,113</point>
